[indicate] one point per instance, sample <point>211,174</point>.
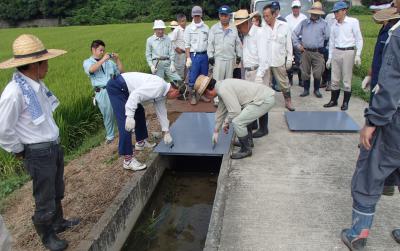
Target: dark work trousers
<point>326,76</point>
<point>119,94</point>
<point>45,164</point>
<point>375,165</point>
<point>296,66</point>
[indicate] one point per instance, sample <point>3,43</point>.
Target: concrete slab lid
<point>321,121</point>
<point>192,133</point>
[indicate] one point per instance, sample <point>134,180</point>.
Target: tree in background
<point>18,10</point>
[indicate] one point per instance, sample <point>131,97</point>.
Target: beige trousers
<point>223,69</point>
<point>281,76</point>
<point>180,61</point>
<point>342,69</point>
<point>314,60</point>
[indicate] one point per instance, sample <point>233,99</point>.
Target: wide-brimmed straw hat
<point>316,9</point>
<point>242,16</point>
<point>386,15</point>
<point>28,49</point>
<point>173,24</point>
<point>201,84</point>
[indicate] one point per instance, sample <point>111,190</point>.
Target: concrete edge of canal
<point>217,215</point>
<point>115,225</point>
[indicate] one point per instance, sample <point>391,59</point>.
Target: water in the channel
<point>179,211</point>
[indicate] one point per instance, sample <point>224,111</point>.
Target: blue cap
<point>275,5</point>
<point>224,9</point>
<point>339,6</point>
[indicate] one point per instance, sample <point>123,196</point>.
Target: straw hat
<point>201,84</point>
<point>316,9</point>
<point>173,24</point>
<point>386,15</point>
<point>242,16</point>
<point>29,49</point>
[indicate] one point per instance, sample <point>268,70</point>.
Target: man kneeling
<point>240,103</point>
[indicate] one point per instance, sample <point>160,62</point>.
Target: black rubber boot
<point>334,99</point>
<point>254,125</point>
<point>250,133</point>
<point>316,88</point>
<point>388,190</point>
<point>396,235</point>
<point>245,149</point>
<point>49,237</point>
<point>301,83</point>
<point>306,91</point>
<point>346,100</point>
<point>263,127</point>
<point>60,224</point>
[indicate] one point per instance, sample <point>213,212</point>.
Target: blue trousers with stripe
<point>199,67</point>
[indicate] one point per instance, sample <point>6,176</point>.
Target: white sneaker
<point>134,165</point>
<point>143,145</point>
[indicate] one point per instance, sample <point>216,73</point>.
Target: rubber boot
<point>346,100</point>
<point>254,125</point>
<point>60,224</point>
<point>316,88</point>
<point>245,149</point>
<point>263,127</point>
<point>334,99</point>
<point>396,235</point>
<point>301,82</point>
<point>192,96</point>
<point>288,101</point>
<point>306,91</point>
<point>250,132</point>
<point>355,238</point>
<point>49,237</point>
<point>388,190</point>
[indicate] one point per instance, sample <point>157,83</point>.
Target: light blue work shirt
<point>224,44</point>
<point>100,78</point>
<point>196,37</point>
<point>159,47</point>
<point>312,33</point>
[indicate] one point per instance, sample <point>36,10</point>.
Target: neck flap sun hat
<point>316,9</point>
<point>201,84</point>
<point>339,6</point>
<point>158,24</point>
<point>242,16</point>
<point>386,15</point>
<point>28,49</point>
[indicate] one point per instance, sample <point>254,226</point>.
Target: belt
<point>161,58</point>
<point>313,49</point>
<point>99,88</point>
<point>346,49</point>
<point>200,52</point>
<point>43,144</point>
<point>253,68</point>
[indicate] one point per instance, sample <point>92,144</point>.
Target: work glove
<point>238,59</point>
<point>225,127</point>
<point>211,61</point>
<point>328,63</point>
<point>94,101</point>
<point>153,69</point>
<point>258,80</point>
<point>188,62</point>
<point>214,139</point>
<point>365,83</point>
<point>289,64</point>
<point>172,67</point>
<point>357,60</point>
<point>130,124</point>
<point>167,138</point>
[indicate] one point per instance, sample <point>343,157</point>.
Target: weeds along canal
<point>178,213</point>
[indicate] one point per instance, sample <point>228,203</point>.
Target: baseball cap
<point>224,9</point>
<point>275,5</point>
<point>197,11</point>
<point>296,3</point>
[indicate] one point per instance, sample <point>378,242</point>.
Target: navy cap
<point>339,6</point>
<point>275,5</point>
<point>224,9</point>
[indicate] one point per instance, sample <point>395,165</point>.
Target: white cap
<point>296,3</point>
<point>159,24</point>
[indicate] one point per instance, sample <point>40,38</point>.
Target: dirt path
<point>91,183</point>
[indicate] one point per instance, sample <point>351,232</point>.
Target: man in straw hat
<point>310,38</point>
<point>254,57</point>
<point>127,93</point>
<point>28,130</point>
<point>280,50</point>
<point>240,103</point>
<point>196,40</point>
<point>160,54</point>
<point>224,47</point>
<point>380,146</point>
<point>345,46</point>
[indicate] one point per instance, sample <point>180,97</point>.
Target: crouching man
<point>127,91</point>
<point>240,103</point>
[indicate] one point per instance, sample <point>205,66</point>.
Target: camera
<point>110,55</point>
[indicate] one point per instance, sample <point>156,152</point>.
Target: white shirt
<point>16,126</point>
<point>177,38</point>
<point>196,37</point>
<point>346,34</point>
<point>294,21</point>
<point>279,43</point>
<point>147,87</point>
<point>255,51</point>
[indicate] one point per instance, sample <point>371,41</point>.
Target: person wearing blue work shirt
<point>100,68</point>
<point>160,54</point>
<point>196,40</point>
<point>309,37</point>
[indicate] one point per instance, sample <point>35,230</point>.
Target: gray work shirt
<point>196,37</point>
<point>159,47</point>
<point>223,44</point>
<point>311,34</point>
